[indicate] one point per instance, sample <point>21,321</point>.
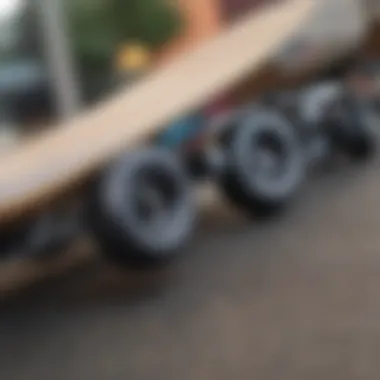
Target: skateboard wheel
<point>264,164</point>
<point>143,211</point>
<point>351,127</point>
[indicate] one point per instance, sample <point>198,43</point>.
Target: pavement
<point>291,298</point>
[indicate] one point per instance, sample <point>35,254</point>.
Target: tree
<point>100,27</point>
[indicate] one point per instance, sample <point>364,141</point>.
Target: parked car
<point>24,91</point>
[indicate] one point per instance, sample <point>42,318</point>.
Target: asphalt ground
<point>296,297</point>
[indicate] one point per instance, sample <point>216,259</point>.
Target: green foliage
<point>152,22</point>
<point>93,33</point>
<point>99,27</point>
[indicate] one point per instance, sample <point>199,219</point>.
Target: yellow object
<point>133,57</point>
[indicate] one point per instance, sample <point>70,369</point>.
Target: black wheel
<point>143,212</point>
<point>351,127</point>
<point>264,163</point>
<point>314,101</point>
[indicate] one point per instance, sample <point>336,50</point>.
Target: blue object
<point>20,76</point>
<point>181,131</point>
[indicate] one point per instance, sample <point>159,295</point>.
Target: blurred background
<point>293,298</point>
<point>58,56</point>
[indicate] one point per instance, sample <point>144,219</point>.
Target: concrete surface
<point>295,298</point>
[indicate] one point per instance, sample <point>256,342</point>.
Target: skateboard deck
<point>39,169</point>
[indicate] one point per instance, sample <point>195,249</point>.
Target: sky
<point>8,7</point>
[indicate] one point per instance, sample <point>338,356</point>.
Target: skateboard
<point>97,144</point>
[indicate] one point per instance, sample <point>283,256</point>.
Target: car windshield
<point>19,76</point>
